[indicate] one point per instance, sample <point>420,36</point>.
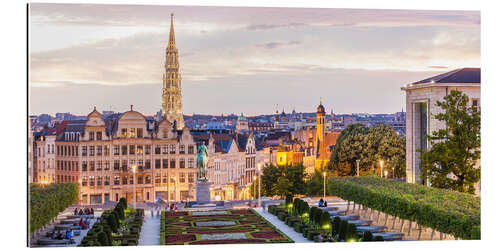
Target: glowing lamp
<point>217,197</point>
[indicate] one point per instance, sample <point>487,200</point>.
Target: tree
<point>348,149</point>
<point>455,149</point>
<point>269,177</point>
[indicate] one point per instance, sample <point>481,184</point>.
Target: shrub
<point>102,238</point>
<point>47,201</point>
<point>335,226</point>
<point>351,232</point>
<point>367,236</point>
<point>343,230</point>
<point>414,202</point>
<point>325,220</point>
<point>378,238</point>
<point>111,220</point>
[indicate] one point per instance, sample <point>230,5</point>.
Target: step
<point>373,229</point>
<point>390,235</point>
<point>360,222</point>
<point>349,217</point>
<point>329,208</point>
<point>337,213</point>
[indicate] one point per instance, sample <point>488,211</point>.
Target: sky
<point>241,59</point>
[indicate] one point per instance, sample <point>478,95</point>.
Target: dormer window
<point>99,135</point>
<point>124,133</point>
<point>139,133</point>
<point>131,132</point>
<point>91,136</point>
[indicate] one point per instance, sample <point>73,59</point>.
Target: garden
<point>316,224</point>
<point>446,211</point>
<point>120,226</point>
<point>218,227</point>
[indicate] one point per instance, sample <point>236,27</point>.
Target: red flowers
<point>267,235</point>
<point>171,214</point>
<point>178,238</point>
<point>236,241</point>
<point>241,212</point>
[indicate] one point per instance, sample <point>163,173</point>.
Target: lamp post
<point>381,168</point>
<point>254,187</point>
<point>175,188</point>
<point>80,190</point>
<point>133,171</point>
<point>258,167</point>
<point>324,185</point>
<point>357,167</point>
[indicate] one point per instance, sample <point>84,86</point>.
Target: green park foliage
<point>451,161</point>
<point>369,145</point>
<point>447,211</point>
<point>48,200</point>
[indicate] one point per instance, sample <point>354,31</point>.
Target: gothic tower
<point>172,95</point>
<point>320,128</point>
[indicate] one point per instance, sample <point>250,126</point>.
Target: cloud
<point>254,27</point>
<point>274,45</point>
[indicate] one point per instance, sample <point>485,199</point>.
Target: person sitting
<point>52,235</point>
<point>76,211</point>
<point>80,212</point>
<point>92,211</point>
<point>86,221</point>
<point>68,234</point>
<point>325,204</point>
<point>59,235</point>
<point>82,224</point>
<point>320,203</point>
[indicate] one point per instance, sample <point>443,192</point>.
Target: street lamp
<point>175,188</point>
<point>357,167</point>
<point>80,190</point>
<point>254,187</point>
<point>381,168</point>
<point>258,167</point>
<point>385,174</point>
<point>133,171</point>
<point>324,185</point>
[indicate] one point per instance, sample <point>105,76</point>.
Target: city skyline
<point>292,62</point>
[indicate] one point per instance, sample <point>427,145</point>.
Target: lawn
<point>219,227</point>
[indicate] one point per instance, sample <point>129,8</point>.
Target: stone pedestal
<point>203,191</point>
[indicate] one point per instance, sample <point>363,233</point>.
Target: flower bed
<point>228,227</point>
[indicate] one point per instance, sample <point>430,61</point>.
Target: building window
<point>476,104</point>
<point>172,149</point>
<point>84,150</point>
<point>139,150</point>
<point>131,180</point>
<point>139,179</point>
<point>139,133</point>
<point>157,163</point>
<point>182,177</point>
<point>99,150</point>
<point>190,149</point>
<point>191,177</point>
<point>181,149</point>
<point>131,132</point>
<point>84,181</point>
<point>106,180</point>
<point>124,150</point>
<point>106,150</point>
<point>164,178</point>
<point>124,133</point>
<point>148,164</point>
<point>191,163</point>
<point>116,180</point>
<point>158,178</point>
<point>182,163</point>
<point>148,149</point>
<point>91,136</point>
<point>165,163</point>
<point>124,180</point>
<point>148,179</point>
<point>124,165</point>
<point>140,163</point>
<point>116,165</point>
<point>157,149</point>
<point>106,165</point>
<point>172,163</point>
<point>91,181</point>
<point>92,151</point>
<point>99,135</point>
<point>116,150</point>
<point>92,166</point>
<point>84,166</point>
<point>165,149</point>
<point>99,166</point>
<point>99,180</point>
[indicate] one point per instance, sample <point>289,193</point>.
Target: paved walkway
<point>297,237</point>
<point>150,232</point>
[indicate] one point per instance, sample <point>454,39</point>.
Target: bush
<point>367,236</point>
<point>102,238</point>
<point>343,230</point>
<point>325,220</point>
<point>378,238</point>
<point>351,232</point>
<point>47,201</point>
<point>335,226</point>
<point>111,220</point>
<point>414,202</point>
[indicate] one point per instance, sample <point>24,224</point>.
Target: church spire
<point>171,37</point>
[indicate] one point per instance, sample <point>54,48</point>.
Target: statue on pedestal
<point>202,162</point>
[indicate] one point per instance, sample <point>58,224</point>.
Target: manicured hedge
<point>446,211</point>
<point>48,200</point>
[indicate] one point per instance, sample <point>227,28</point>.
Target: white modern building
<point>421,98</point>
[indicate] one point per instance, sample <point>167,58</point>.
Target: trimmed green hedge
<point>446,211</point>
<point>48,200</point>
